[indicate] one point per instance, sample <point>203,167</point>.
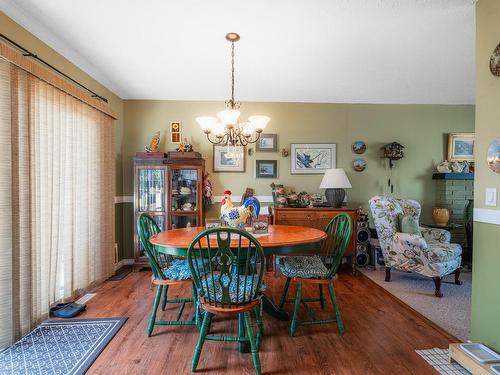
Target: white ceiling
<point>342,51</point>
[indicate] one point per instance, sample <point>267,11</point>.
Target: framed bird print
<point>312,158</point>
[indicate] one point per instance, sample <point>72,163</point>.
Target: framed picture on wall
<point>229,159</point>
<point>266,168</point>
<point>267,143</point>
<point>461,146</point>
<point>312,158</point>
<point>175,132</point>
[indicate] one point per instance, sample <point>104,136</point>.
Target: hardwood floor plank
<point>380,338</point>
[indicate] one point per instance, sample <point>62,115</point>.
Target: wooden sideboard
<point>315,218</point>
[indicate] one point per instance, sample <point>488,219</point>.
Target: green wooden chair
<point>319,269</point>
<point>166,272</point>
<point>230,283</point>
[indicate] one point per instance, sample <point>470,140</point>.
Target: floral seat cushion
<point>439,252</point>
<point>308,267</point>
<point>239,290</point>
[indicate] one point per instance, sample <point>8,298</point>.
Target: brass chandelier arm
<point>234,137</point>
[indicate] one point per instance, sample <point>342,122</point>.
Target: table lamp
<point>335,181</point>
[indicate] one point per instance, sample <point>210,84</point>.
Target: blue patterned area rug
<point>60,347</point>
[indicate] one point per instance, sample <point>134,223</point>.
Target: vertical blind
<point>56,198</point>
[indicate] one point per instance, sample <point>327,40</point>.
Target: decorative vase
<point>441,216</point>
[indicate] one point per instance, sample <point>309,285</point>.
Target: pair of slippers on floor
<point>67,310</point>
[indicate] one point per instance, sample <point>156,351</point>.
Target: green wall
<point>486,272</point>
<point>421,128</point>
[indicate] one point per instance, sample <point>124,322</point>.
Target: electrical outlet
<point>491,197</point>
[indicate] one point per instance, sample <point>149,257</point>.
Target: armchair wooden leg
<point>437,283</point>
<point>387,274</point>
<point>457,277</point>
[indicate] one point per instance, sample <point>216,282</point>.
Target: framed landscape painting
<point>312,158</point>
<point>266,168</point>
<point>225,162</point>
<point>461,146</point>
<point>267,143</point>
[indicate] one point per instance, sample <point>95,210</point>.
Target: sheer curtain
<point>56,198</point>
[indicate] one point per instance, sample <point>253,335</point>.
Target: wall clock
<point>495,62</point>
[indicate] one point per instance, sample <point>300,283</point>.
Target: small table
<point>281,239</point>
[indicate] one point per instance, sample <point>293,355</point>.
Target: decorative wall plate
<point>493,156</point>
<point>495,62</point>
<point>358,147</point>
<point>359,165</point>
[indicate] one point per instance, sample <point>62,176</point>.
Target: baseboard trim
<point>124,199</point>
<point>487,216</point>
<point>124,262</point>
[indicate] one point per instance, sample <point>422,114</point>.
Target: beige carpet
<point>452,312</point>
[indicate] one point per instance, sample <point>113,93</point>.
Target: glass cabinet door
<point>183,221</point>
<point>184,191</point>
<point>151,189</point>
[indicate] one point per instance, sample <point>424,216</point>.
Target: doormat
<point>68,346</point>
<point>438,358</point>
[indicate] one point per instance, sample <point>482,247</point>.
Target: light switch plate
<point>491,197</point>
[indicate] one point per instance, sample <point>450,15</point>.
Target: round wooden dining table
<point>280,239</point>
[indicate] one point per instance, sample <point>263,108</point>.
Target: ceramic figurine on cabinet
<point>236,217</point>
<point>185,146</point>
<point>188,207</point>
<point>208,198</point>
<point>155,142</point>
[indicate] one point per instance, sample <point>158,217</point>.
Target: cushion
<point>443,252</point>
<point>246,290</point>
<point>178,270</point>
<point>308,267</point>
<point>408,224</point>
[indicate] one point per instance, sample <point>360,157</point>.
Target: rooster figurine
<point>237,216</point>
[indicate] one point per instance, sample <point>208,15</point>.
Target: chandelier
<point>227,129</point>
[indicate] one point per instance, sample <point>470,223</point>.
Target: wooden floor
<point>381,335</point>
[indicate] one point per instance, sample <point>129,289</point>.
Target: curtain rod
<point>27,53</point>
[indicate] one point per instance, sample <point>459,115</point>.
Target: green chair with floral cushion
<point>427,252</point>
<point>229,283</point>
<point>166,272</point>
<point>320,270</point>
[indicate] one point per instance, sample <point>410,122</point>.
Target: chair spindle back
<point>147,227</point>
<point>227,265</point>
<point>339,231</point>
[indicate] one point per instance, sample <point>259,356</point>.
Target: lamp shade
<point>259,122</point>
<point>335,178</point>
<point>229,116</point>
<point>206,123</point>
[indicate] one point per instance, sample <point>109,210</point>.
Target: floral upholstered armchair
<point>430,255</point>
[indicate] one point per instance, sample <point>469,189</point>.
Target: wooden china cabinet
<point>169,188</point>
